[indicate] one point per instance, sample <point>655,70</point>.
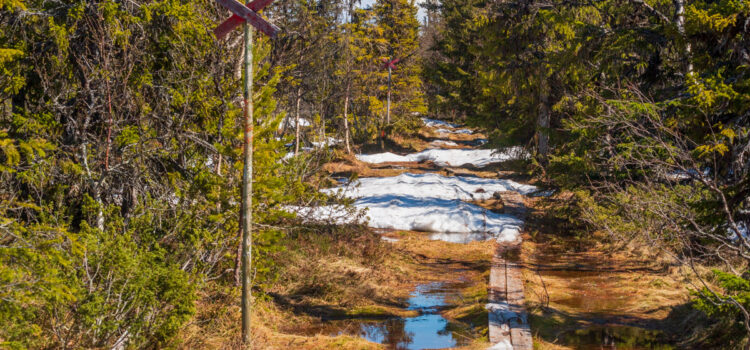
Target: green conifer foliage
<point>397,36</point>
<point>648,117</point>
<point>120,159</point>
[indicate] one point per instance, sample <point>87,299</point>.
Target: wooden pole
<point>296,118</point>
<point>247,190</point>
<point>388,106</point>
<point>346,119</point>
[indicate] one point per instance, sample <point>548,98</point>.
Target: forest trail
<point>470,202</point>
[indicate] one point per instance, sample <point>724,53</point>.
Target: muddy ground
<point>578,290</point>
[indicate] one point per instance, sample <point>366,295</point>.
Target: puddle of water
<point>588,291</point>
<point>618,337</point>
<point>428,330</point>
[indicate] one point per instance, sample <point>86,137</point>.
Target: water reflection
<point>616,337</point>
<point>428,330</point>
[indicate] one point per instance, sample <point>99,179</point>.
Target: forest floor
<point>583,291</point>
<point>337,290</point>
<point>344,295</point>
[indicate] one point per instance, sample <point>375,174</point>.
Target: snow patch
<point>680,175</point>
<point>292,123</point>
<point>431,185</point>
<point>396,212</point>
<point>444,127</point>
<point>503,345</point>
<point>451,131</point>
<point>443,143</point>
<point>545,193</point>
<point>426,202</point>
<point>329,141</point>
<point>500,313</point>
<point>439,123</point>
<point>446,157</point>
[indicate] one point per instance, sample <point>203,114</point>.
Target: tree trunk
<point>346,119</point>
<point>95,185</point>
<point>388,105</point>
<point>296,120</point>
<point>542,129</point>
<point>322,124</point>
<point>679,14</point>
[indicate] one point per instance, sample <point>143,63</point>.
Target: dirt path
<point>506,317</point>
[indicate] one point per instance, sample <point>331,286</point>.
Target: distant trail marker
<point>248,15</point>
<point>390,64</point>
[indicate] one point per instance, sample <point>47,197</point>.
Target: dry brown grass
<point>290,317</point>
<point>432,134</point>
<point>351,276</point>
<point>574,282</point>
<point>224,330</point>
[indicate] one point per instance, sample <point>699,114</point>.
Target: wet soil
<point>615,337</point>
<point>426,330</point>
<point>584,296</point>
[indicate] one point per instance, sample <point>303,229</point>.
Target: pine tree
<point>397,36</point>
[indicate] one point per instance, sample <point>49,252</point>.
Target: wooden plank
<point>250,16</point>
<point>234,21</point>
<point>508,322</point>
<point>498,330</point>
<point>520,332</point>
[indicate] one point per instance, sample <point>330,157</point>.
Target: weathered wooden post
<point>390,64</point>
<point>248,15</point>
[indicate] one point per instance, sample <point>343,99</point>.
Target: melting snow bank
<point>425,202</point>
<point>443,143</point>
<point>439,123</point>
<point>445,127</point>
<point>451,131</point>
<point>420,214</point>
<point>328,142</point>
<point>447,157</point>
<point>431,185</point>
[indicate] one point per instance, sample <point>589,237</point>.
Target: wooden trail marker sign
<point>244,14</point>
<point>389,64</point>
<point>248,15</point>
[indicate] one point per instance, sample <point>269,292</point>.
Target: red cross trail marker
<point>233,22</point>
<point>247,14</point>
<point>390,64</point>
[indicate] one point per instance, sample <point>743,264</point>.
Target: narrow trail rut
<point>447,207</point>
